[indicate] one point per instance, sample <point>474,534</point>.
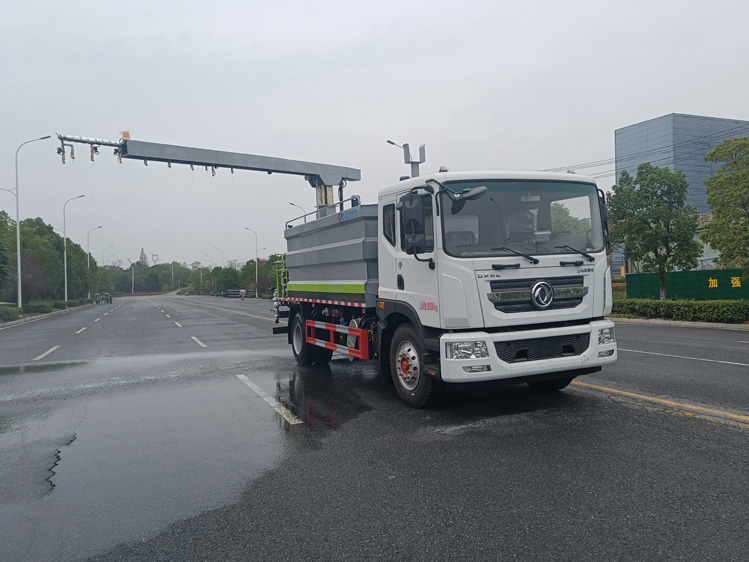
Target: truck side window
<point>388,223</point>
<point>428,225</point>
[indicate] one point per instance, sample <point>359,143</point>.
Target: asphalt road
<point>179,428</point>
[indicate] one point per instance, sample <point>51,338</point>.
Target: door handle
<point>401,282</point>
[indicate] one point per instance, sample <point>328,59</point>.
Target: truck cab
<point>503,276</point>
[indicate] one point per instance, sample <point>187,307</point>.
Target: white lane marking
<point>168,316</point>
<point>106,313</point>
<point>97,319</point>
<point>742,341</point>
<point>178,324</point>
<point>233,311</point>
<point>685,357</point>
<point>197,341</point>
<point>79,331</point>
<point>272,402</point>
<point>43,355</point>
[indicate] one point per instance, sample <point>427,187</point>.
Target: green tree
<point>650,218</point>
<point>728,198</point>
<point>227,278</point>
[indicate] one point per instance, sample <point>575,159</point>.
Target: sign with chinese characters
<point>711,284</point>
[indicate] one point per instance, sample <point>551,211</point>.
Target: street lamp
<point>132,286</point>
<point>299,207</point>
<point>255,233</point>
<point>103,260</point>
<point>222,256</point>
<point>18,220</point>
<point>210,257</point>
<point>65,245</point>
<point>88,257</point>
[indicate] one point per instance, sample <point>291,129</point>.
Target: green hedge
<point>37,308</point>
<point>8,313</point>
<point>721,311</point>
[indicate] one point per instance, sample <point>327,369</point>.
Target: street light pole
<point>103,259</point>
<point>18,220</point>
<point>210,257</point>
<point>132,286</point>
<point>255,233</point>
<point>88,257</point>
<point>222,256</point>
<point>300,207</point>
<point>65,245</point>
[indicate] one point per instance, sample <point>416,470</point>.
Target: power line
<point>639,156</point>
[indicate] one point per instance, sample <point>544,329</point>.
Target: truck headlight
<point>466,350</point>
<point>606,335</point>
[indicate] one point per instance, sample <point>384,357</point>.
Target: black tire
<point>306,354</point>
<point>551,385</point>
<point>414,386</point>
<point>303,352</point>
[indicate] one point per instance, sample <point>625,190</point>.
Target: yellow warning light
<point>125,135</point>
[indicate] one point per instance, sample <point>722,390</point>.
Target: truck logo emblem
<point>542,295</point>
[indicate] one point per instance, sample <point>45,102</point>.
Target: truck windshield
<point>529,216</point>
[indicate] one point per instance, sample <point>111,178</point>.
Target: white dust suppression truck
<point>465,277</point>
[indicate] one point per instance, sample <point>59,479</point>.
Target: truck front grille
<point>542,348</point>
<point>510,296</point>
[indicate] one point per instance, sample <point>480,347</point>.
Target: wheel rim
<point>407,365</point>
<point>297,338</point>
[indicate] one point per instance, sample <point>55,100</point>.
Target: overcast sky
<point>486,85</point>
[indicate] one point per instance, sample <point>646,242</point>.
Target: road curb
<point>681,323</point>
<point>22,321</point>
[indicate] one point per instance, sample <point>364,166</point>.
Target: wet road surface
<point>139,438</point>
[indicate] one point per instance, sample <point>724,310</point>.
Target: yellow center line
<point>672,403</point>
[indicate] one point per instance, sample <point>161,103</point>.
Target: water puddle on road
<point>39,368</point>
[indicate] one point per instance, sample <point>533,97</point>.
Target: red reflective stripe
<point>296,300</point>
<point>360,352</point>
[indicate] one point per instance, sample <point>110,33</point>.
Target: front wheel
<point>414,386</point>
<point>551,385</point>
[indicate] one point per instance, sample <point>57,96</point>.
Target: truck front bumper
<point>509,355</point>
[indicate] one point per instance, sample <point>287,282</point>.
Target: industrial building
<point>680,143</point>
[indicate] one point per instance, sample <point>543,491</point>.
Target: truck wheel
<point>550,386</point>
<point>304,353</point>
<point>414,387</point>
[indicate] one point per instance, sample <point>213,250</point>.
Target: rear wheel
<point>414,386</point>
<point>550,386</point>
<point>306,354</point>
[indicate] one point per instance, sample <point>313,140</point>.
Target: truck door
<point>416,274</point>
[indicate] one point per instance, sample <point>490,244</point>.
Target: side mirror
<point>412,212</point>
<point>468,194</point>
<point>471,193</point>
<point>416,244</point>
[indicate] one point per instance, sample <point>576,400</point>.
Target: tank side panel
<point>335,258</point>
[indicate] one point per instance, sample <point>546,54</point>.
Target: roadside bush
<point>37,308</point>
<point>72,303</point>
<point>721,311</point>
<point>58,305</point>
<point>8,313</point>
